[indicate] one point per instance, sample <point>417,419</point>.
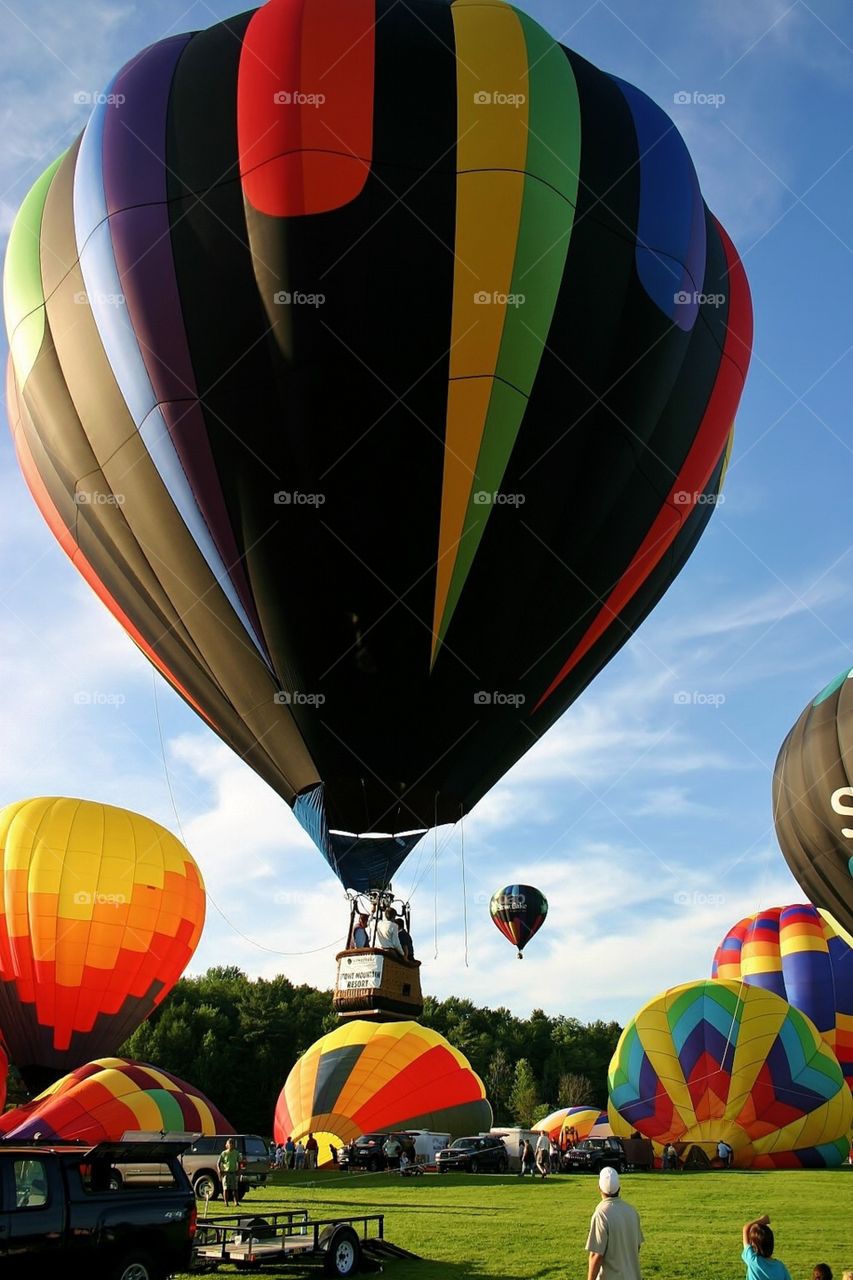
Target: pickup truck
<point>62,1213</point>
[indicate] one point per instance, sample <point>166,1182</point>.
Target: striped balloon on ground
<point>401,338</point>
<point>102,1100</point>
<point>368,1076</point>
<point>582,1119</point>
<point>101,910</point>
<point>795,952</point>
<point>719,1060</point>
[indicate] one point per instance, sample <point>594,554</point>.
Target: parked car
<point>200,1160</point>
<point>594,1154</point>
<point>364,1153</point>
<point>63,1214</point>
<point>474,1155</point>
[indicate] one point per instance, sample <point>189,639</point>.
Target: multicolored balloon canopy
<point>519,911</point>
<point>582,1119</point>
<point>715,1060</point>
<point>813,803</point>
<point>427,399</point>
<point>368,1076</point>
<point>103,1099</point>
<point>101,910</point>
<point>796,953</point>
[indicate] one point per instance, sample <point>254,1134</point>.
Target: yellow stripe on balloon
<point>491,155</point>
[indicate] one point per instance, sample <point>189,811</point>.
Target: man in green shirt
<point>229,1172</point>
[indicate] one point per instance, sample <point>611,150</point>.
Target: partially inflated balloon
<point>100,912</point>
<point>796,953</point>
<point>713,1060</point>
<point>519,911</point>
<point>102,1100</point>
<point>377,365</point>
<point>582,1119</point>
<point>813,802</point>
<point>368,1076</point>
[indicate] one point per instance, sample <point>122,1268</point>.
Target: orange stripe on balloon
<point>65,539</point>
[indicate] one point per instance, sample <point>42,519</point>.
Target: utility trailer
<point>250,1243</point>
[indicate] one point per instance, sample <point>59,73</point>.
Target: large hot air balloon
<point>519,912</point>
<point>813,803</point>
<point>100,912</point>
<point>103,1099</point>
<point>380,399</point>
<point>719,1060</point>
<point>796,953</point>
<point>367,1076</point>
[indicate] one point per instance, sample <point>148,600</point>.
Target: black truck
<point>63,1212</point>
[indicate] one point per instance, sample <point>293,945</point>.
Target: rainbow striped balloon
<point>795,952</point>
<point>103,1099</point>
<point>368,1076</point>
<point>717,1060</point>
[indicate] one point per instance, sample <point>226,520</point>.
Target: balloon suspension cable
<point>435,877</point>
<point>464,889</point>
<point>240,934</point>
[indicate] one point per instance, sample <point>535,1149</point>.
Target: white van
<point>428,1144</point>
<point>513,1139</point>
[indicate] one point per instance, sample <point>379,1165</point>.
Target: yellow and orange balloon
<point>101,910</point>
<point>368,1076</point>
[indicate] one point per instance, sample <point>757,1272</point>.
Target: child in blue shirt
<point>758,1252</point>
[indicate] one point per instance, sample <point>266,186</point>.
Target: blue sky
<point>645,814</point>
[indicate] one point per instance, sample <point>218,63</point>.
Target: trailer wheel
<point>343,1252</point>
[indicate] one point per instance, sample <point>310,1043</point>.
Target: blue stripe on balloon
<point>104,291</point>
<point>671,234</point>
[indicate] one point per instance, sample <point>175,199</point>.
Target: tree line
<point>236,1038</point>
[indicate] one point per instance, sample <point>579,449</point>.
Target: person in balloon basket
<point>360,936</point>
<point>615,1234</point>
<point>388,933</point>
<point>229,1172</point>
<point>758,1244</point>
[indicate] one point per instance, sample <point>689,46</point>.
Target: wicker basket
<point>396,995</point>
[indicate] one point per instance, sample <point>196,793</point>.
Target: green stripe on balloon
<point>23,292</point>
<point>169,1108</point>
<point>832,687</point>
<point>545,229</point>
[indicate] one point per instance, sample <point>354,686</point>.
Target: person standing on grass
<point>526,1159</point>
<point>758,1244</point>
<point>543,1154</point>
<point>822,1271</point>
<point>229,1173</point>
<point>615,1234</point>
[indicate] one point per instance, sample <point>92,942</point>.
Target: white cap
<point>608,1181</point>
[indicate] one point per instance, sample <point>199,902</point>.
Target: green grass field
<point>506,1229</point>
